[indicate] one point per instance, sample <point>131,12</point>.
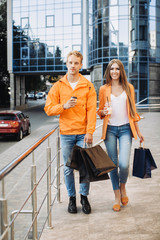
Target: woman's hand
<point>141,138</point>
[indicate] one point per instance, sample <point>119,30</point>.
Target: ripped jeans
<point>124,135</point>
<point>67,143</point>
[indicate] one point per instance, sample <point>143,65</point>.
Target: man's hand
<point>71,103</point>
<point>88,138</point>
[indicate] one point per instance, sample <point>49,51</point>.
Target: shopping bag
<point>93,163</point>
<point>143,163</point>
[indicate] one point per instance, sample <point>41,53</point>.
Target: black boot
<point>86,208</point>
<point>72,208</point>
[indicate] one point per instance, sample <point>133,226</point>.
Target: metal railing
<point>149,103</point>
<point>7,229</point>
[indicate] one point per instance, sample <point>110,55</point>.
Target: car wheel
<point>29,130</point>
<point>20,135</point>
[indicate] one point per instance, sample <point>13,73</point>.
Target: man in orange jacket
<point>73,97</point>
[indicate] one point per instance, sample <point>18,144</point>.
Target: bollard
<point>58,166</point>
<point>49,200</point>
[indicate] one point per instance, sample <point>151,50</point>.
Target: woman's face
<point>115,71</point>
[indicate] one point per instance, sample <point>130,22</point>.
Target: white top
<point>73,84</point>
<point>119,114</point>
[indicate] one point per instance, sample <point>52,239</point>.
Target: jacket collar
<point>81,83</point>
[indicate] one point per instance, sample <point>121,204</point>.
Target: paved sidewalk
<point>139,220</point>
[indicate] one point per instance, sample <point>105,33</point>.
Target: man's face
<point>73,64</point>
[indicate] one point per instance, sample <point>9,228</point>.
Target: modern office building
<point>129,31</point>
<point>42,32</point>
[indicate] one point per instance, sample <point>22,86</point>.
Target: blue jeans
<point>67,143</point>
<point>124,135</point>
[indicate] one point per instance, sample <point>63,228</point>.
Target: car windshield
<point>7,117</point>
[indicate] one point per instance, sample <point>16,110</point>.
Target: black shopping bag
<point>93,163</point>
<point>143,163</point>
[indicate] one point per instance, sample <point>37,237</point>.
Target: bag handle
<point>141,145</point>
<point>87,145</point>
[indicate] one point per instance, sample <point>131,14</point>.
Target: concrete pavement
<point>139,220</point>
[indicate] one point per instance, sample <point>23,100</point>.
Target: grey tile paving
<point>139,220</point>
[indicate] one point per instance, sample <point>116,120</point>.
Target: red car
<point>14,123</point>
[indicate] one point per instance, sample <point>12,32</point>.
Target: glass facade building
<point>44,31</point>
<point>130,31</point>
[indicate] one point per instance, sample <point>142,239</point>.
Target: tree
<point>35,83</point>
<point>4,76</point>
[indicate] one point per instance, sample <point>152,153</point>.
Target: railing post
<point>49,199</point>
<point>3,212</point>
<point>58,166</point>
<point>34,198</point>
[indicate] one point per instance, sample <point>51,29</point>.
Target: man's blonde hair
<point>75,53</point>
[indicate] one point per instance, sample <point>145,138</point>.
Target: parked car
<point>31,95</point>
<point>40,95</point>
<point>14,123</point>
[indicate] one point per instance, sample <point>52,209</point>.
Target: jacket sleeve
<point>137,117</point>
<point>53,106</point>
<point>91,109</point>
<point>101,102</point>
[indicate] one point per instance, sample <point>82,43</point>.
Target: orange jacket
<point>80,119</point>
<point>104,92</point>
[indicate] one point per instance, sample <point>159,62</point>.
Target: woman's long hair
<point>123,81</point>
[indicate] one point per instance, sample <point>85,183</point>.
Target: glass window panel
<point>50,22</point>
<point>114,11</point>
<point>50,51</point>
<point>76,30</point>
<point>67,5</point>
<point>33,20</point>
<point>67,17</point>
<point>49,32</point>
<point>24,3</point>
<point>123,2</point>
<point>105,3</point>
<point>106,12</point>
<point>32,8</point>
<point>77,5</point>
<point>123,31</point>
<point>24,52</point>
<point>25,22</point>
<point>41,50</point>
<point>123,10</point>
<point>114,38</point>
<point>152,11</point>
<point>143,88</point>
<point>132,11</point>
<point>105,34</point>
<point>58,5</point>
<point>76,19</point>
<point>17,19</point>
<point>143,33</point>
<point>16,3</point>
<point>114,25</point>
<point>41,1</point>
<point>41,19</point>
<point>67,30</point>
<point>33,2</point>
<point>113,52</point>
<point>123,51</point>
<point>133,36</point>
<point>59,18</point>
<point>76,47</point>
<point>113,2</point>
